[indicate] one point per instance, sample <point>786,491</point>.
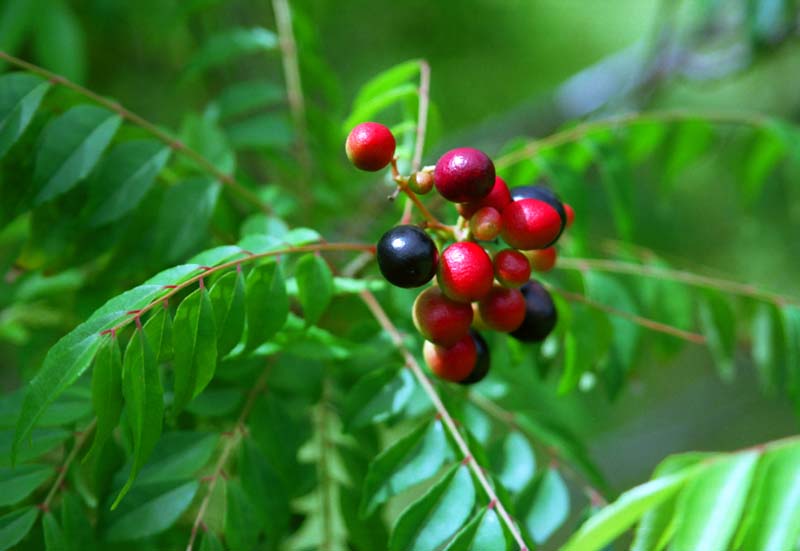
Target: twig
<point>79,442</point>
<point>422,128</point>
<point>411,362</point>
<point>638,320</point>
<point>173,143</point>
<point>230,445</point>
<point>690,278</point>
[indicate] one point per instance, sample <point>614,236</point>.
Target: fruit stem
<point>402,185</point>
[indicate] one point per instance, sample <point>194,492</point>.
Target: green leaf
<point>269,131</point>
<point>772,521</point>
<point>53,535</point>
<point>408,461</point>
<point>373,106</point>
<point>432,519</point>
<point>689,140</point>
<point>144,400</point>
<point>241,518</point>
<point>586,343</point>
<point>19,482</point>
<point>265,491</point>
<point>15,525</point>
<point>204,135</point>
<point>228,302</point>
<point>211,542</point>
<point>20,96</point>
<point>543,506</point>
<point>150,509</point>
<point>70,147</point>
<point>216,402</point>
<point>314,286</point>
<point>195,343</point>
<point>243,97</point>
<point>718,323</point>
<point>614,519</point>
<point>267,303</point>
<point>181,231</point>
<point>226,46</point>
<point>79,534</point>
<point>37,443</point>
<point>159,334</point>
<point>387,80</point>
<point>514,463</point>
<point>59,43</point>
<point>709,509</point>
<point>483,532</point>
<point>122,179</point>
<point>764,153</point>
<point>791,330</point>
<point>378,396</point>
<point>106,392</point>
<point>769,346</point>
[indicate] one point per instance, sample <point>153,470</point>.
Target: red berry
<point>439,319</point>
<point>542,260</point>
<point>511,268</point>
<point>453,363</point>
<point>503,309</point>
<point>498,198</point>
<point>570,214</point>
<point>370,146</point>
<point>465,272</point>
<point>485,224</point>
<point>464,175</point>
<point>530,224</point>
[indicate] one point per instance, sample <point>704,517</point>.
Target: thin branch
<point>170,141</point>
<point>648,323</point>
<point>230,445</point>
<point>80,440</point>
<point>690,278</point>
<point>629,119</point>
<point>422,113</point>
<point>411,362</point>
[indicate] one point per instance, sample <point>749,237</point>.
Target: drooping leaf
<point>70,147</point>
<point>689,140</point>
<point>78,532</point>
<point>37,443</point>
<point>59,41</point>
<point>150,509</point>
<point>195,344</point>
<point>265,491</point>
<point>19,482</point>
<point>267,303</point>
<point>767,149</point>
<point>53,535</point>
<point>228,302</point>
<point>241,518</point>
<point>144,403</point>
<point>269,131</point>
<point>791,331</point>
<point>20,96</point>
<point>15,525</point>
<point>769,346</point>
<point>432,519</point>
<point>514,463</point>
<point>376,104</point>
<point>210,542</point>
<point>543,506</point>
<point>216,402</point>
<point>205,136</point>
<point>229,45</point>
<point>387,80</point>
<point>159,334</point>
<point>182,230</point>
<point>718,323</point>
<point>484,531</point>
<point>314,286</point>
<point>242,97</point>
<point>106,392</point>
<point>378,396</point>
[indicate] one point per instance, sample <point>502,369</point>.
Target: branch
<point>411,362</point>
<point>236,434</point>
<point>80,440</point>
<point>422,128</point>
<point>166,138</point>
<point>696,280</point>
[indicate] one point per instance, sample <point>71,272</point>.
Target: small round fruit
<point>530,224</point>
<point>453,363</point>
<point>485,224</point>
<point>511,268</point>
<point>465,272</point>
<point>540,314</point>
<point>370,146</point>
<point>407,256</point>
<point>482,363</point>
<point>439,319</point>
<point>421,182</point>
<point>498,198</point>
<point>570,214</point>
<point>463,175</point>
<point>542,193</point>
<point>503,309</point>
<point>542,260</point>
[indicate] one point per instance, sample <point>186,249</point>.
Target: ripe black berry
<point>542,193</point>
<point>540,314</point>
<point>407,256</point>
<point>481,364</point>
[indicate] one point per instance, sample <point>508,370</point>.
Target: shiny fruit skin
<point>497,198</point>
<point>370,146</point>
<point>485,224</point>
<point>465,272</point>
<point>407,256</point>
<point>530,224</point>
<point>463,175</point>
<point>503,309</point>
<point>570,212</point>
<point>540,314</point>
<point>439,319</point>
<point>543,193</point>
<point>542,260</point>
<point>453,363</point>
<point>482,363</point>
<point>511,268</point>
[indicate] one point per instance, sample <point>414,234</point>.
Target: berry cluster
<point>475,289</point>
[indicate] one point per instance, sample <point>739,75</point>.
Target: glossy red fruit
<point>498,198</point>
<point>511,268</point>
<point>463,175</point>
<point>503,309</point>
<point>370,146</point>
<point>485,224</point>
<point>570,214</point>
<point>482,363</point>
<point>439,319</point>
<point>465,272</point>
<point>530,224</point>
<point>542,260</point>
<point>451,363</point>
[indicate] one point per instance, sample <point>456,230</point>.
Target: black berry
<point>481,364</point>
<point>542,193</point>
<point>407,256</point>
<point>540,314</point>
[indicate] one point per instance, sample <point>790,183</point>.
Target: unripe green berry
<point>486,224</point>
